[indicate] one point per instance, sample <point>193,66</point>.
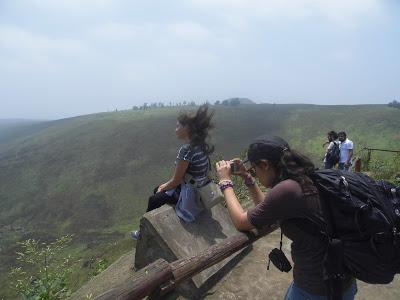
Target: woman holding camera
<point>292,195</point>
<point>193,159</point>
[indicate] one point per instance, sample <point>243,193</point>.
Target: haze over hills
<point>12,128</point>
<point>237,101</point>
<point>91,175</point>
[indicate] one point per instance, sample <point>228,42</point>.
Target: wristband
<point>224,184</point>
<point>225,181</point>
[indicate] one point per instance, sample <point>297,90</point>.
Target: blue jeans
<point>342,167</point>
<point>296,293</point>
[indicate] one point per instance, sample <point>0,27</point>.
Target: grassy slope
<point>370,126</point>
<point>91,175</point>
<point>10,129</point>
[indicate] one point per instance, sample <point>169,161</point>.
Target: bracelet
<point>249,181</point>
<point>225,181</point>
<point>224,184</point>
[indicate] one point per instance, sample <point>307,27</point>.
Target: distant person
<point>193,159</point>
<point>346,152</point>
<point>291,197</point>
<point>332,154</point>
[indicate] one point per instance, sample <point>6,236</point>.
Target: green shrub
<point>42,270</point>
<point>99,266</point>
<point>386,169</point>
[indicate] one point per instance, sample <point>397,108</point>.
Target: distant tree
<point>184,103</point>
<point>235,102</point>
<point>225,102</point>
<point>394,104</point>
<point>135,107</point>
<point>217,102</point>
<point>160,104</point>
<point>192,103</point>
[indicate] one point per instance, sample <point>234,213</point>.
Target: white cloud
<point>17,38</point>
<point>124,33</point>
<point>134,49</point>
<point>23,48</point>
<point>143,34</point>
<point>345,55</point>
<point>156,43</point>
<point>113,31</point>
<point>74,6</point>
<point>189,31</point>
<point>347,11</point>
<point>343,12</point>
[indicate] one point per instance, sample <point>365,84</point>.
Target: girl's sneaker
<point>135,234</point>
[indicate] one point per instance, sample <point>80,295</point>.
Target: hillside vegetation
<point>90,176</point>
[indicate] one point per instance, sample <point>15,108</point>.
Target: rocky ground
<point>251,280</point>
<point>248,280</point>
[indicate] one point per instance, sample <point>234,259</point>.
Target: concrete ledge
<point>164,235</point>
<point>118,272</point>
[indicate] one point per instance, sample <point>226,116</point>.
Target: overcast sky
<point>61,58</point>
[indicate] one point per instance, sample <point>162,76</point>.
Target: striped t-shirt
<point>198,160</point>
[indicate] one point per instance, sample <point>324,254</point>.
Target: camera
<point>279,260</point>
<point>235,167</point>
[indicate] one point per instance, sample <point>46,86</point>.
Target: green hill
<point>91,175</point>
<point>14,128</point>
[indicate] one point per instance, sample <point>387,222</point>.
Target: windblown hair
<point>198,124</point>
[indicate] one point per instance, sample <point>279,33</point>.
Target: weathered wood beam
<point>188,267</point>
<point>160,277</point>
<point>144,282</point>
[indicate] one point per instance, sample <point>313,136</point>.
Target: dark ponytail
<point>296,166</point>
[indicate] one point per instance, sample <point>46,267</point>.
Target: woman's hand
<point>161,188</point>
<point>223,170</point>
<point>240,169</point>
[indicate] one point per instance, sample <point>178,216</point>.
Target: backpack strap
<point>333,265</point>
<point>333,271</point>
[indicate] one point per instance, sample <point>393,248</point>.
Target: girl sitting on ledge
<point>193,159</point>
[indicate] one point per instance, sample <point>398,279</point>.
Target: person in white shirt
<point>346,151</point>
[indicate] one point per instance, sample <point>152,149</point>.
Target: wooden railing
<point>357,162</point>
<point>161,277</point>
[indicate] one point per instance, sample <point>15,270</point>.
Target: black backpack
<point>361,228</point>
<point>333,154</point>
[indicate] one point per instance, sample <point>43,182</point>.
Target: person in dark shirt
<point>292,195</point>
<point>193,158</point>
<point>332,142</point>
